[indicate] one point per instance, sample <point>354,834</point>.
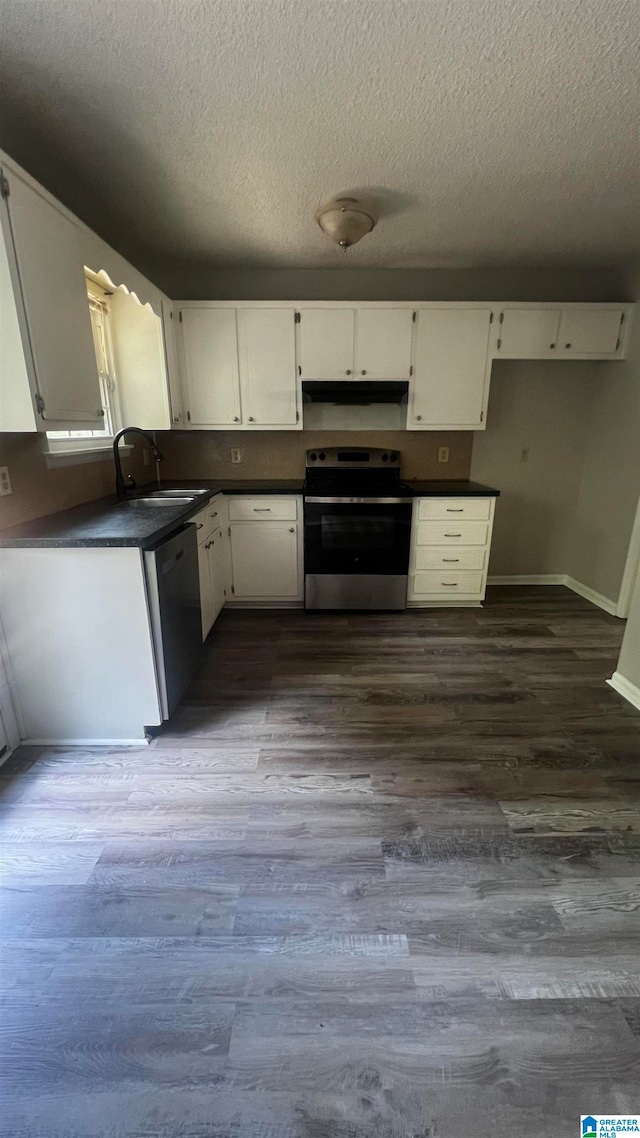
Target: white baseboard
<point>625,688</point>
<point>559,579</point>
<point>87,742</point>
<point>530,579</point>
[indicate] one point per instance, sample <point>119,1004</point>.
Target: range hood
<point>355,393</point>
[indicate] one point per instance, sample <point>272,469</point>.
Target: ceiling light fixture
<point>346,220</point>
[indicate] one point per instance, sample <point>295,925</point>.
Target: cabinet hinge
<point>499,343</point>
<point>617,343</point>
<point>4,186</point>
<point>40,405</point>
<point>622,318</point>
<point>297,416</point>
<point>491,317</point>
<point>232,589</point>
<point>229,531</point>
<point>299,369</point>
<point>411,370</point>
<point>188,416</point>
<point>296,317</point>
<point>501,317</point>
<point>180,317</point>
<point>481,416</point>
<point>414,317</point>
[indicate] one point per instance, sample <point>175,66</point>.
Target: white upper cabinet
<point>326,337</point>
<point>588,331</point>
<point>591,332</point>
<point>268,382</point>
<point>383,343</point>
<point>210,366</point>
<point>171,363</point>
<point>526,333</point>
<point>54,296</point>
<point>17,407</point>
<point>451,377</point>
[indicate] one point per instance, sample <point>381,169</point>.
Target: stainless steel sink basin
<point>174,493</point>
<point>131,503</point>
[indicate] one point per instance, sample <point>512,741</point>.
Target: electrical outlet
<point>443,454</point>
<point>236,455</point>
<point>524,454</point>
<point>5,481</point>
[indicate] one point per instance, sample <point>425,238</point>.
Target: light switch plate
<point>5,481</point>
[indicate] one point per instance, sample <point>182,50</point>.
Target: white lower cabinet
<point>450,544</point>
<point>211,526</point>
<point>266,550</point>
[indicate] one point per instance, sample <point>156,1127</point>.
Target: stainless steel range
<point>357,529</point>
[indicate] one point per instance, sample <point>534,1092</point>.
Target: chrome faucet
<point>121,485</point>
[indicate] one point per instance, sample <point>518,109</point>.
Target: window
<point>102,341</point>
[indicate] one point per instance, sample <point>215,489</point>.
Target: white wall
<point>626,678</point>
<point>541,406</point>
<point>610,485</point>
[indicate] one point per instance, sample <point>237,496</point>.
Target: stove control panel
<point>356,458</point>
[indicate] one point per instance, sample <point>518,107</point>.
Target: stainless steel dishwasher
<point>173,589</point>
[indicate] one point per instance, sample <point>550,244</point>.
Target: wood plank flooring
<point>378,878</point>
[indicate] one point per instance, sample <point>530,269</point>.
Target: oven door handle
<point>361,501</point>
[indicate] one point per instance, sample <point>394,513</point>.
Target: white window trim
<point>86,450</point>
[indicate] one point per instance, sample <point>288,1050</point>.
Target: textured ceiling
<point>495,132</point>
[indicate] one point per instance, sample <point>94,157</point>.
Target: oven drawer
<point>445,584</point>
<point>456,509</point>
<point>263,509</point>
<point>452,533</point>
<point>449,559</point>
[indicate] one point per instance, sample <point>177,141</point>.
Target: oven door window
<point>356,532</point>
<point>342,538</point>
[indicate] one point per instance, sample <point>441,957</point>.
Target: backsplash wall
<point>38,491</point>
<point>281,454</point>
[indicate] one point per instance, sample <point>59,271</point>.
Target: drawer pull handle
<point>200,525</point>
<point>214,514</point>
<point>262,509</point>
<point>458,510</point>
<point>449,584</point>
<point>453,535</point>
<point>450,558</point>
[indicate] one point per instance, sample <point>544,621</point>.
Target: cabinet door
<point>383,343</point>
<point>527,333</point>
<point>206,594</point>
<point>268,381</point>
<point>54,295</point>
<point>449,386</point>
<point>589,332</point>
<point>17,408</point>
<point>217,572</point>
<point>210,360</point>
<point>326,343</point>
<point>264,558</point>
<point>171,358</point>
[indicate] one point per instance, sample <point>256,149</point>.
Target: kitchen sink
<point>129,503</point>
<point>173,493</point>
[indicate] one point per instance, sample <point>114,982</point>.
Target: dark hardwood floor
<point>379,878</point>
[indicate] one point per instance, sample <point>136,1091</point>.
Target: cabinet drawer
<point>455,508</point>
<point>452,533</point>
<point>207,519</point>
<point>443,584</point>
<point>450,560</point>
<point>263,509</point>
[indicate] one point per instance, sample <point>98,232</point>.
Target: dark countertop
<point>438,488</point>
<point>108,523</point>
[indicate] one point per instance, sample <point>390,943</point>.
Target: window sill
<point>64,455</point>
